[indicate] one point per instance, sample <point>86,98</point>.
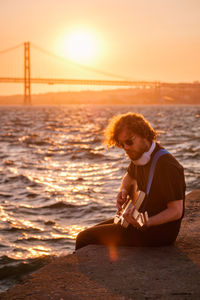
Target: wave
<point>5,195</point>
<point>59,204</point>
<point>34,239</point>
<point>34,139</point>
<point>87,155</point>
<point>92,155</point>
<point>13,271</point>
<point>22,178</point>
<point>13,228</point>
<point>7,137</point>
<point>8,162</point>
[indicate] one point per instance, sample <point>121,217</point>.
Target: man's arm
<point>127,182</point>
<point>173,212</point>
<point>128,185</point>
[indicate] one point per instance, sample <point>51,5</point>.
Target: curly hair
<point>131,121</point>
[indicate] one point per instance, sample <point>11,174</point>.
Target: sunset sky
<point>136,39</point>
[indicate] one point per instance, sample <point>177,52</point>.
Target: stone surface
<point>98,272</point>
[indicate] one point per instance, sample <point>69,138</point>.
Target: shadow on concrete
<point>142,273</point>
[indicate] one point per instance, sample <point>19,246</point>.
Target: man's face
<point>134,145</point>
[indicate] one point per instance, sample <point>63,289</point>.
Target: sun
<point>81,46</point>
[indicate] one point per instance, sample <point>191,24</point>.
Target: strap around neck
<point>158,154</point>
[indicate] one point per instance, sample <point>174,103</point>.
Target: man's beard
<point>135,155</point>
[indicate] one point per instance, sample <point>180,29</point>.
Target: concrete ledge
<point>98,272</point>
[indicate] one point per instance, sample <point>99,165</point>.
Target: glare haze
<point>138,39</point>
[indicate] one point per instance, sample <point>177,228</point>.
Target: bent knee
<point>81,239</point>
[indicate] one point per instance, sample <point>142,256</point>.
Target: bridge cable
<point>10,49</point>
<point>80,65</point>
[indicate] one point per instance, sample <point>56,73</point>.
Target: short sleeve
<point>171,180</point>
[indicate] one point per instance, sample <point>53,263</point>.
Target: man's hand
<point>121,199</point>
<point>128,216</point>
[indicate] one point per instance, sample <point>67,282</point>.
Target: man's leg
<point>110,235</point>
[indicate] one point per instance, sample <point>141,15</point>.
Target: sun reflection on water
<point>39,250</point>
<point>73,231</point>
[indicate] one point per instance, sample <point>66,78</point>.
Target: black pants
<point>110,234</point>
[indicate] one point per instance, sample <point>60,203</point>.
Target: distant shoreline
<point>108,97</point>
<point>96,104</point>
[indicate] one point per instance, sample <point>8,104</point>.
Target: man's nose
<point>126,147</point>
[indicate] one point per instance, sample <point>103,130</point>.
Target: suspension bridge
<point>27,80</point>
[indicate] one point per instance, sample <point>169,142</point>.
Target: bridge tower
<point>27,74</point>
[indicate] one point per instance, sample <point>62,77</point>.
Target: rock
<point>123,273</point>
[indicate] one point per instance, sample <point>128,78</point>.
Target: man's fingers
<point>121,198</point>
<point>128,213</point>
<point>123,194</point>
<point>128,216</point>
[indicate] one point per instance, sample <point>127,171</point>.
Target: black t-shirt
<point>168,182</point>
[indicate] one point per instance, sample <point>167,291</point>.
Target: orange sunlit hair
<point>133,122</point>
